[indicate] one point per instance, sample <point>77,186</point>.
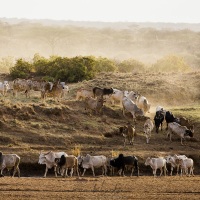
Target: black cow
<point>169,117</point>
<point>122,161</point>
<point>158,119</point>
<point>97,91</point>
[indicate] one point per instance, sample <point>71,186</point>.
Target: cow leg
<point>154,172</point>
<point>161,171</point>
<point>83,172</point>
<point>124,141</point>
<point>14,171</point>
<point>93,170</point>
<point>1,175</point>
<point>45,173</point>
<point>55,171</point>
<point>171,171</point>
<point>105,170</point>
<point>71,173</point>
<point>18,171</point>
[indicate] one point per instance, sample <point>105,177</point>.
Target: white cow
<point>130,106</point>
<point>143,104</point>
<point>65,89</point>
<point>173,160</point>
<point>9,161</point>
<point>181,131</point>
<point>157,163</point>
<point>92,162</point>
<point>148,127</point>
<point>186,164</point>
<point>117,96</point>
<point>48,159</point>
<point>4,87</point>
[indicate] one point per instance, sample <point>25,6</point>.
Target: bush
<point>131,65</point>
<point>22,69</point>
<point>171,63</point>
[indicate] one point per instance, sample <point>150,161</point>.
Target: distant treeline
<point>145,44</point>
<point>81,68</point>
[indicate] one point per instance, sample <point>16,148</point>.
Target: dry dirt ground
<point>28,126</point>
<point>113,188</point>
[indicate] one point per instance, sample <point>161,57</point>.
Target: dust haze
<point>146,42</point>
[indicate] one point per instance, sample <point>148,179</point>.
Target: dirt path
<point>112,188</point>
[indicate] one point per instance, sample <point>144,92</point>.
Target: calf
<point>122,161</point>
<point>157,163</point>
<point>128,132</point>
<point>9,161</point>
<point>182,131</point>
<point>148,127</point>
<point>68,162</point>
<point>158,120</point>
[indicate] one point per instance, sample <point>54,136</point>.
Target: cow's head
<point>188,133</point>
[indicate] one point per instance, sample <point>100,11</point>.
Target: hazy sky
<point>186,11</point>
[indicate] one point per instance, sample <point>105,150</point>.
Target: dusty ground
<point>113,188</point>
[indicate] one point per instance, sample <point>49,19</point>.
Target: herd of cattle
<point>62,162</point>
<point>94,99</point>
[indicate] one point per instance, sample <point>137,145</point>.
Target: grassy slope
<point>30,125</point>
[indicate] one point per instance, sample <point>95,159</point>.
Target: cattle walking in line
<point>92,162</point>
<point>148,127</point>
<point>97,91</point>
<point>9,161</point>
<point>174,162</point>
<point>157,163</point>
<point>125,161</point>
<point>128,132</point>
<point>48,159</point>
<point>67,162</point>
<point>181,131</point>
<point>158,120</point>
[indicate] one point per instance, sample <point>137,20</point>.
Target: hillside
<point>28,126</point>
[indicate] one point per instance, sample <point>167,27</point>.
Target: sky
<point>172,11</point>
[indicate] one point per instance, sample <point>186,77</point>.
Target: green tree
<point>22,69</point>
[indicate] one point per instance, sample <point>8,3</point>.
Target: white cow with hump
<point>187,163</point>
<point>130,106</point>
<point>9,161</point>
<point>157,163</point>
<point>91,162</point>
<point>48,159</point>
